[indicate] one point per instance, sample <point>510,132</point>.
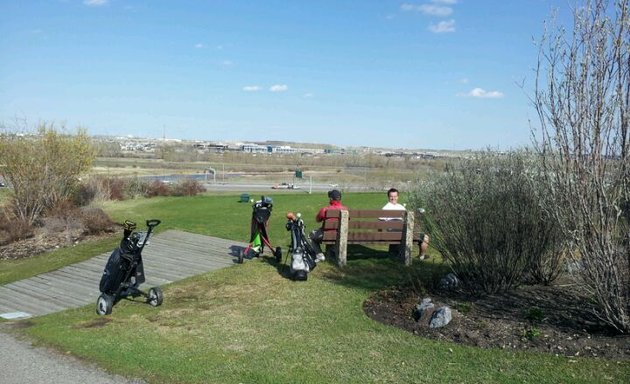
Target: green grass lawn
<point>249,324</point>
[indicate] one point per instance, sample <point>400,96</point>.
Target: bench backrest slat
<point>367,214</point>
<point>396,225</point>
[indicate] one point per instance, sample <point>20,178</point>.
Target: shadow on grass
<point>373,269</point>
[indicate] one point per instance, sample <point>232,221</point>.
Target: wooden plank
<point>30,303</point>
<point>81,273</point>
<point>378,237</point>
<point>66,284</point>
<point>76,277</point>
<point>44,295</point>
<point>176,253</point>
<point>377,225</point>
<point>186,261</point>
<point>171,255</point>
<point>380,213</point>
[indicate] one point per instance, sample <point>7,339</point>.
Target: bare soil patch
<point>45,239</point>
<point>550,319</point>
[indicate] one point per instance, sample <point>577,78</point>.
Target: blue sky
<point>432,74</point>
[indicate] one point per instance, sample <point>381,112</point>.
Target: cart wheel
<point>104,304</point>
<point>278,254</point>
<point>155,297</point>
<point>241,257</point>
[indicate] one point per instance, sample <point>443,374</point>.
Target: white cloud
<point>428,9</point>
<point>279,88</point>
<point>450,2</point>
<point>251,88</point>
<point>227,63</point>
<point>95,3</point>
<point>481,93</point>
<point>199,45</point>
<point>307,95</point>
<point>443,27</point>
<point>464,80</point>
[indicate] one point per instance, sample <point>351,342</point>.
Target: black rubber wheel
<point>155,297</point>
<point>241,257</point>
<point>104,304</point>
<point>278,254</point>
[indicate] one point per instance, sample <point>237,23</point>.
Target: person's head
<point>392,195</point>
<point>334,195</point>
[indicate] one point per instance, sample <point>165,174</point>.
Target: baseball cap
<point>334,195</point>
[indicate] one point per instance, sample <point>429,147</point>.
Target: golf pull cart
<point>301,251</point>
<point>124,270</point>
<point>258,233</point>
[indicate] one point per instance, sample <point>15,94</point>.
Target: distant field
<point>373,173</point>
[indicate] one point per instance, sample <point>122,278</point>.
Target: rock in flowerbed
<point>536,318</point>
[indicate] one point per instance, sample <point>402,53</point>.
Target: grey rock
<point>423,309</point>
<point>450,281</point>
<point>441,317</point>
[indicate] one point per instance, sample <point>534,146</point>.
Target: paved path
<point>169,256</point>
<point>23,363</point>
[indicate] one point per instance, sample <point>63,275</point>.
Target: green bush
<point>484,216</point>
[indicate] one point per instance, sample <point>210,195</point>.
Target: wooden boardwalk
<point>169,256</point>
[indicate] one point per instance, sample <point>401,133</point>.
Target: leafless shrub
<point>95,221</point>
<point>188,187</point>
<point>13,229</point>
<point>63,217</point>
<point>484,218</point>
<point>158,188</point>
<point>43,169</point>
<point>135,187</point>
<point>582,97</point>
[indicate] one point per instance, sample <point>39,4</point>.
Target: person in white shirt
<point>392,204</point>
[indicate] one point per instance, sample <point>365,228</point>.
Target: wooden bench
<point>369,227</point>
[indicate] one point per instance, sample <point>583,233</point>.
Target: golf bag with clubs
<point>301,251</point>
<point>124,271</point>
<point>258,232</point>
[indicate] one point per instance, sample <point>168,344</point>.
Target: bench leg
<point>407,254</point>
<point>342,239</point>
<point>342,255</point>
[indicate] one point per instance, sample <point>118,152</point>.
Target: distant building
<point>254,148</point>
<point>282,149</point>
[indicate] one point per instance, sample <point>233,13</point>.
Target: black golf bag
<point>301,251</point>
<point>124,271</point>
<point>259,238</point>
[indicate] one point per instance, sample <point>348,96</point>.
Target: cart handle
<point>153,222</point>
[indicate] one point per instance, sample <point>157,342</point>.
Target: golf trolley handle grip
<point>153,222</point>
